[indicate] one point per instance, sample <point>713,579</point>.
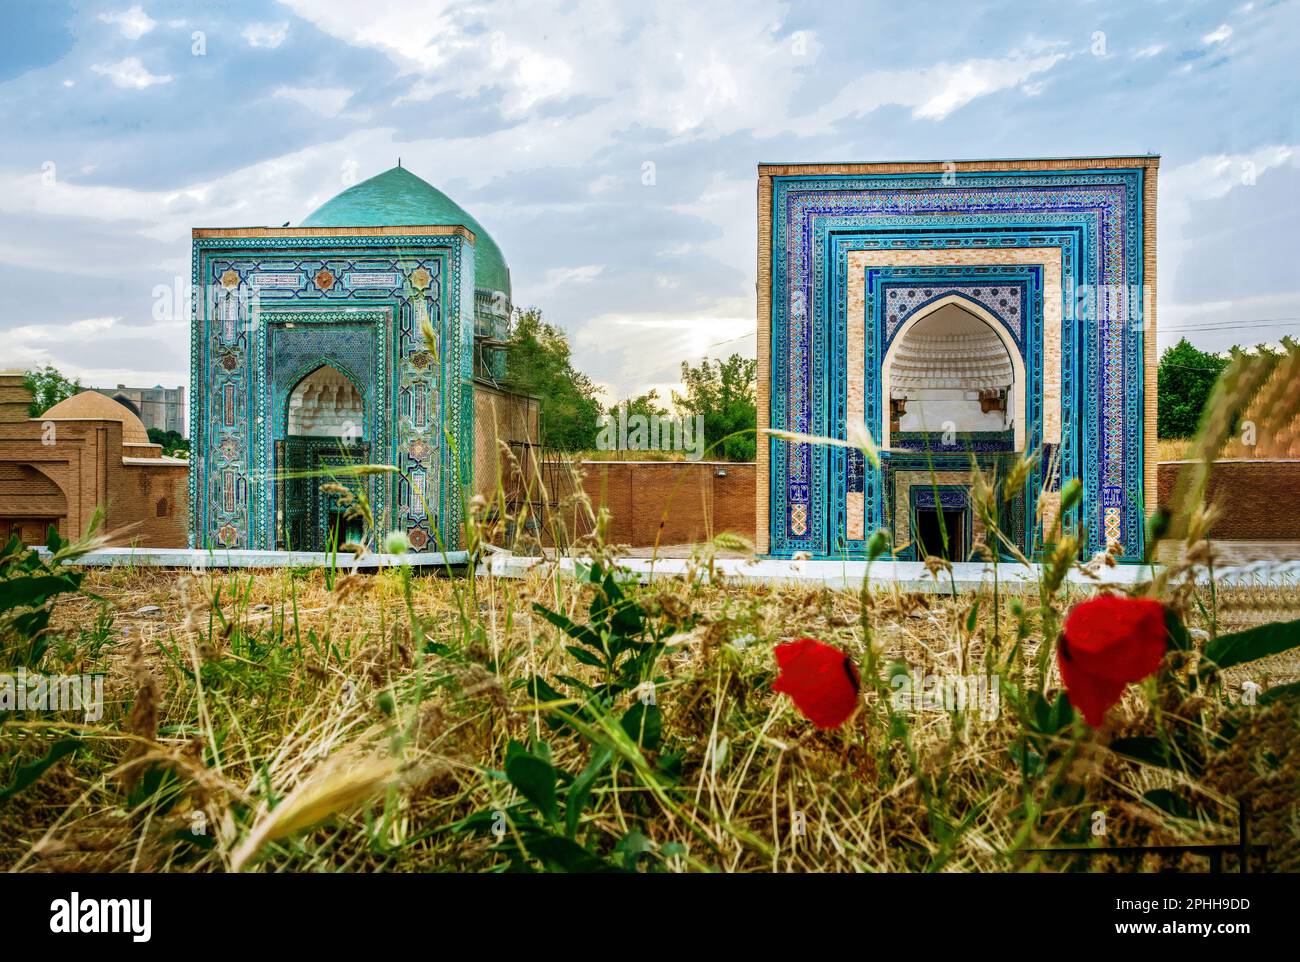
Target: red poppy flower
<point>821,681</point>
<point>1109,641</point>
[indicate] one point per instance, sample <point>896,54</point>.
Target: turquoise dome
<point>398,198</point>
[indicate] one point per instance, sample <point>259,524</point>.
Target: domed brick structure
<point>85,455</point>
<point>91,406</point>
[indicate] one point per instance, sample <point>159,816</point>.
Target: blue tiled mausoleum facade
<point>961,311</point>
<point>308,353</point>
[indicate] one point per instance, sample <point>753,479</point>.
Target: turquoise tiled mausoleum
<point>307,354</point>
<point>960,313</point>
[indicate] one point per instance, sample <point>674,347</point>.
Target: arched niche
<point>35,485</point>
<point>326,403</point>
<point>951,365</point>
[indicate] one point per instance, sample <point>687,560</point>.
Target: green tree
<point>647,405</point>
<point>724,394</point>
<point>1184,380</point>
<point>539,362</point>
<point>172,442</point>
<point>48,386</point>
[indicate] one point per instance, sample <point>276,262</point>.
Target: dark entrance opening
<point>309,519</point>
<point>932,523</point>
<point>343,530</point>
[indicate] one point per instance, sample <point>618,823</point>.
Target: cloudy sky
<point>128,123</point>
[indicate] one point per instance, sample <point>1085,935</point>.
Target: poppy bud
<point>878,544</point>
<point>1071,491</point>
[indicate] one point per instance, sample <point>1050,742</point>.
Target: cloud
<point>285,186</point>
<point>640,350</point>
<point>559,276</point>
<point>102,350</point>
<point>266,36</point>
<point>133,22</point>
<point>418,43</point>
<point>52,332</point>
<point>529,76</point>
<point>130,74</point>
<point>1193,232</point>
<point>680,66</point>
<point>326,101</point>
<point>535,77</point>
<point>1214,175</point>
<point>728,204</point>
<point>1217,36</point>
<point>958,85</point>
<point>933,92</point>
<point>1209,178</point>
<point>688,69</point>
<point>1151,50</point>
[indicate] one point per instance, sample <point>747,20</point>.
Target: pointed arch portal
<point>288,318</point>
<point>326,404</point>
<point>952,367</point>
<point>324,429</point>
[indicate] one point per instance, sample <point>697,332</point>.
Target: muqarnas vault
<point>962,311</point>
<point>308,355</point>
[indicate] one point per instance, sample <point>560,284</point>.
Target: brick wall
<point>1257,500</point>
<point>152,501</point>
<point>672,502</point>
<point>14,398</point>
<point>501,417</point>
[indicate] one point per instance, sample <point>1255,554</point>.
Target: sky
<point>609,147</point>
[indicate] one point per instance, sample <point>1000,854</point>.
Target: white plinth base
<point>195,558</point>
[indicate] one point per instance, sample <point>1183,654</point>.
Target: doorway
<point>933,525</point>
<point>325,428</point>
<point>309,518</point>
<point>343,529</point>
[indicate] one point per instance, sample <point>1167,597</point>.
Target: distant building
<point>85,453</point>
<point>158,407</point>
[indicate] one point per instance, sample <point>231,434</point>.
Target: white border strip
<point>904,575</point>
<point>194,558</point>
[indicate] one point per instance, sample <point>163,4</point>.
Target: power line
<point>1189,367</point>
<point>1228,325</point>
<point>739,337</point>
<point>1245,320</point>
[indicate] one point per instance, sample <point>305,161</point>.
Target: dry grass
<point>335,718</point>
<point>1172,449</point>
<point>315,720</point>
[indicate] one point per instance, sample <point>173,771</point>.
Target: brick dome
<point>93,406</point>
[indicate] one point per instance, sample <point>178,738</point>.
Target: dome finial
<point>399,161</point>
